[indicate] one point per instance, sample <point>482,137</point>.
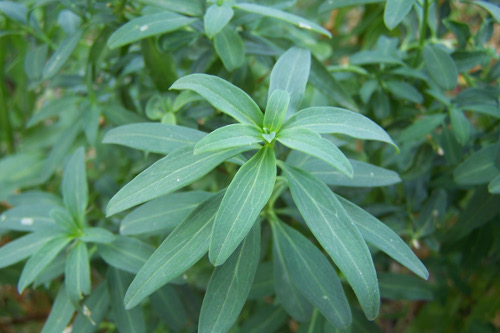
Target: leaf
<point>34,62</point>
<point>421,127</point>
<point>223,96</point>
<point>310,142</point>
<point>460,125</point>
<point>77,272</point>
<point>431,213</point>
<point>186,7</point>
<point>230,136</point>
<point>333,228</point>
<point>97,235</point>
<point>493,9</point>
<point>61,55</point>
<point>55,107</point>
<point>276,108</point>
<point>28,218</point>
<point>440,66</point>
<point>230,48</point>
<point>34,197</point>
<point>311,272</point>
<point>147,26</point>
<point>179,251</point>
<point>74,186</point>
<point>263,284</point>
<point>15,11</point>
<point>41,259</point>
<point>404,91</point>
<point>267,319</point>
<point>64,220</point>
<point>479,168</point>
<point>493,186</point>
<point>162,214</point>
<point>23,247</point>
<point>166,302</point>
<point>60,314</point>
<point>216,18</point>
<point>127,321</point>
<point>290,74</point>
<point>283,16</point>
<point>383,238</point>
<point>178,169</point>
<point>127,254</point>
<point>395,12</point>
<point>325,119</point>
<point>407,287</point>
<point>118,115</point>
<point>160,65</point>
<point>328,6</point>
<point>153,137</point>
<point>95,308</point>
<point>229,286</point>
<point>245,197</point>
<point>315,325</point>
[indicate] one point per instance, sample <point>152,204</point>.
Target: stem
<point>423,32</point>
<point>4,113</point>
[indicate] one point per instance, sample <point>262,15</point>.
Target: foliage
<point>263,166</point>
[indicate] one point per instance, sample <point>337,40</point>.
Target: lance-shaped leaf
<point>127,254</point>
<point>268,318</point>
<point>315,325</point>
<point>229,286</point>
<point>395,12</point>
<point>223,96</point>
<point>494,185</point>
<point>311,272</point>
<point>276,108</point>
<point>28,218</point>
<point>284,16</point>
<point>178,169</point>
<point>60,314</point>
<point>215,19</point>
<point>245,197</point>
<point>153,137</point>
<point>479,168</point>
<point>95,308</point>
<point>230,136</point>
<point>160,65</point>
<point>407,287</point>
<point>310,142</point>
<point>77,272</point>
<point>74,185</point>
<point>97,235</point>
<point>179,251</point>
<point>61,55</point>
<point>290,74</point>
<point>168,305</point>
<point>41,259</point>
<point>325,119</point>
<point>230,48</point>
<point>440,66</point>
<point>460,125</point>
<point>23,247</point>
<point>383,238</point>
<point>15,11</point>
<point>333,228</point>
<point>147,26</point>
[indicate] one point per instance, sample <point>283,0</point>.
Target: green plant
<point>251,144</point>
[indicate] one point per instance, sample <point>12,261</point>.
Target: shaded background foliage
<point>426,71</point>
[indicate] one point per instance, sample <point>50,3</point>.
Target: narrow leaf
<point>421,127</point>
<point>230,136</point>
<point>95,308</point>
<point>479,168</point>
<point>229,286</point>
<point>179,251</point>
<point>267,319</point>
<point>333,228</point>
<point>167,303</point>
<point>60,314</point>
<point>147,26</point>
<point>404,91</point>
<point>493,9</point>
<point>127,254</point>
<point>15,11</point>
<point>28,218</point>
<point>276,108</point>
<point>160,65</point>
<point>493,186</point>
<point>178,169</point>
<point>230,48</point>
<point>311,272</point>
<point>327,119</point>
<point>23,247</point>
<point>216,18</point>
<point>77,272</point>
<point>61,55</point>
<point>440,66</point>
<point>284,16</point>
<point>460,125</point>
<point>245,197</point>
<point>310,142</point>
<point>395,12</point>
<point>223,96</point>
<point>74,185</point>
<point>97,235</point>
<point>407,287</point>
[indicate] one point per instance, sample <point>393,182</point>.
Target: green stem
<point>4,113</point>
<point>423,32</point>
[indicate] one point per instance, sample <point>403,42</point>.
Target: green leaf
<point>127,254</point>
<point>493,186</point>
<point>41,259</point>
<point>330,5</point>
<point>160,65</point>
<point>383,238</point>
<point>333,228</point>
<point>127,321</point>
<point>479,168</point>
<point>162,214</point>
<point>60,314</point>
<point>178,169</point>
<point>153,137</point>
<point>276,108</point>
<point>290,74</point>
<point>77,272</point>
<point>74,185</point>
<point>245,197</point>
<point>95,308</point>
<point>263,284</point>
<point>311,272</point>
<point>493,9</point>
<point>315,325</point>
<point>407,287</point>
<point>64,220</point>
<point>395,12</point>
<point>15,11</point>
<point>179,251</point>
<point>310,142</point>
<point>97,235</point>
<point>325,119</point>
<point>229,286</point>
<point>431,213</point>
<point>34,62</point>
<point>230,48</point>
<point>460,125</point>
<point>440,66</point>
<point>267,319</point>
<point>223,96</point>
<point>28,218</point>
<point>230,136</point>
<point>147,26</point>
<point>216,18</point>
<point>405,91</point>
<point>421,127</point>
<point>167,303</point>
<point>283,16</point>
<point>61,55</point>
<point>186,7</point>
<point>23,247</point>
